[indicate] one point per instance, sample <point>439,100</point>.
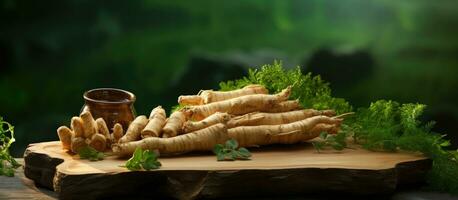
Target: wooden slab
<point>273,171</point>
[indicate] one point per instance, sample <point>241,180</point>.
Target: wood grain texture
<point>276,171</point>
<point>20,187</point>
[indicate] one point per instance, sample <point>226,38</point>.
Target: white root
<point>281,134</point>
<point>174,124</point>
<point>239,105</point>
<point>134,130</point>
<point>98,142</point>
<point>77,126</point>
<point>216,118</point>
<point>258,118</point>
<point>89,125</point>
<point>210,96</point>
<point>156,122</point>
<point>77,144</point>
<point>118,132</point>
<point>65,137</point>
<point>284,106</point>
<point>190,100</point>
<point>201,140</point>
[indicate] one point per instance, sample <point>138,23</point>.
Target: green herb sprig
<point>90,153</point>
<point>7,163</point>
<point>143,159</point>
<point>230,151</point>
<point>337,142</point>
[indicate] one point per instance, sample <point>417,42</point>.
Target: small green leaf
<point>9,172</point>
<point>220,156</point>
<point>90,153</point>
<point>244,153</point>
<point>445,143</point>
<point>232,144</point>
<point>338,147</point>
<point>140,159</point>
<point>138,153</point>
<point>229,151</point>
<point>323,135</point>
<point>229,156</point>
<point>218,148</point>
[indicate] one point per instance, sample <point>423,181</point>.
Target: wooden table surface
<point>20,187</point>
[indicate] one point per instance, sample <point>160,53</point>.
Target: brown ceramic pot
<point>113,105</point>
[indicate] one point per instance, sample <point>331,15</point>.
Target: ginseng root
<point>89,125</point>
<point>65,137</point>
<point>190,100</point>
<point>118,132</point>
<point>284,133</point>
<point>77,126</point>
<point>98,142</point>
<point>102,127</point>
<point>215,118</point>
<point>284,106</point>
<point>297,136</point>
<point>201,140</point>
<point>254,119</point>
<point>210,96</point>
<point>77,144</point>
<point>239,105</point>
<point>174,124</point>
<point>134,130</point>
<point>156,123</point>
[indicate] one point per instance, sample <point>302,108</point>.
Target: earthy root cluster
<point>250,115</point>
<point>85,131</point>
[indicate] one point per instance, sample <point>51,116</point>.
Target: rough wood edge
<point>212,184</point>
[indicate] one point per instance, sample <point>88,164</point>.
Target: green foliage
<point>311,91</point>
<point>90,153</point>
<point>177,107</point>
<point>146,160</point>
<point>384,126</point>
<point>391,126</point>
<point>229,151</point>
<point>7,162</point>
<point>337,142</point>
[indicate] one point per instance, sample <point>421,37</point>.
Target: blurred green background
<point>53,51</point>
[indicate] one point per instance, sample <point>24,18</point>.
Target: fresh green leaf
<point>229,151</point>
<point>90,153</point>
<point>323,135</point>
<point>337,142</point>
<point>244,152</point>
<point>218,149</point>
<point>232,144</point>
<point>318,146</point>
<point>338,146</point>
<point>445,143</point>
<point>143,159</point>
<point>220,156</point>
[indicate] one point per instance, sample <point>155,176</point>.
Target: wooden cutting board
<point>273,171</point>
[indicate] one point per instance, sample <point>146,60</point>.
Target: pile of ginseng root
<point>249,115</point>
<point>85,131</point>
